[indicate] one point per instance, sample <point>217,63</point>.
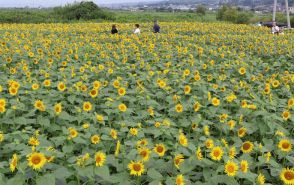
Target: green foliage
<point>201,10</point>
<point>231,15</point>
<point>227,13</point>
<point>82,10</point>
<point>243,17</point>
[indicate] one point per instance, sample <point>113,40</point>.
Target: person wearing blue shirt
<point>156,27</point>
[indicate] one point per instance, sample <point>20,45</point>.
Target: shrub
<point>83,10</point>
<point>243,17</point>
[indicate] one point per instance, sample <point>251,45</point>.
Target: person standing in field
<point>275,29</point>
<point>114,29</point>
<point>137,29</point>
<point>156,27</point>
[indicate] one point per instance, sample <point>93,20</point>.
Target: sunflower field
<point>199,104</point>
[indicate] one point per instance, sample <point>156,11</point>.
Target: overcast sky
<point>50,3</point>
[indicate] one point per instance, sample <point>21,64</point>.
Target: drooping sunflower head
<point>178,160</point>
<point>144,153</point>
<point>180,180</point>
<point>244,166</point>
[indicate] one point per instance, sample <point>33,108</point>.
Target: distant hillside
<point>235,2</point>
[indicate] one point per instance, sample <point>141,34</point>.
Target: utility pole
<point>288,15</point>
<point>275,10</point>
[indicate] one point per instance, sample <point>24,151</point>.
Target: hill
<point>235,2</point>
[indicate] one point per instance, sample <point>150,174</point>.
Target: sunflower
<point>242,70</point>
<point>244,166</point>
<point>159,149</point>
<point>34,141</point>
<point>113,133</point>
<point>122,107</point>
<point>2,102</point>
<point>179,108</point>
<point>260,179</point>
<point>183,140</point>
<point>178,160</point>
<point>57,108</point>
<point>100,158</point>
<point>136,168</point>
<point>13,163</point>
<point>35,86</point>
<point>116,84</point>
<point>13,91</point>
<point>287,176</point>
<point>275,83</point>
<point>121,91</point>
<point>87,106</point>
<point>242,132</point>
<point>93,93</point>
<point>117,148</point>
<point>47,83</point>
<point>61,86</point>
<point>99,118</point>
<point>95,139</point>
<point>1,136</point>
<point>142,142</point>
<point>199,154</point>
<point>39,105</point>
<point>180,180</point>
<point>197,77</point>
<point>215,102</point>
<point>144,153</point>
<point>2,109</point>
<point>197,106</point>
<point>216,153</point>
<point>285,145</point>
<point>72,133</point>
<point>232,152</point>
<point>36,160</point>
<point>96,85</point>
<point>286,115</point>
<point>231,168</point>
<point>209,143</point>
<point>291,102</point>
<point>133,131</point>
<point>187,89</point>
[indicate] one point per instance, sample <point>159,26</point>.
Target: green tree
<point>83,10</point>
<point>201,10</point>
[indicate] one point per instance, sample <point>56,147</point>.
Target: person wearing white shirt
<point>275,28</point>
<point>137,29</point>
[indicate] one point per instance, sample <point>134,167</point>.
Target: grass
<point>49,16</point>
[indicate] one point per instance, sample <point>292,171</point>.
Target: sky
<point>50,3</point>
